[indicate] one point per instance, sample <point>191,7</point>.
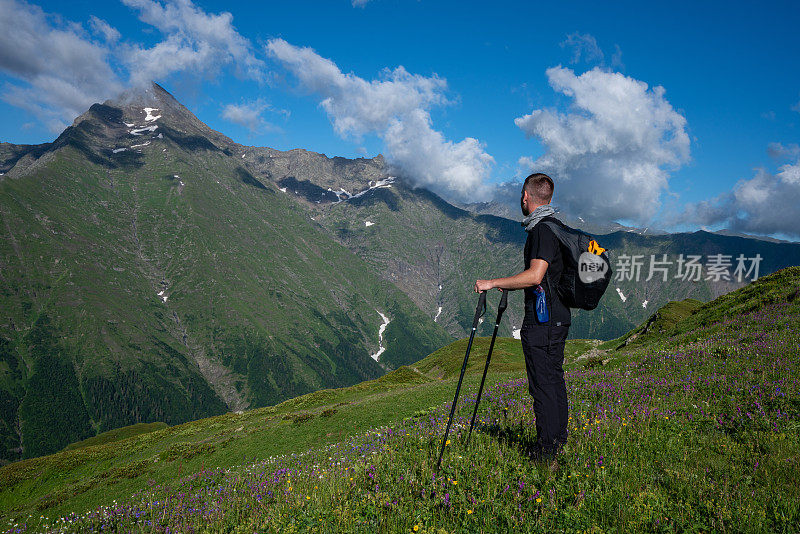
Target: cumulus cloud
<point>195,42</point>
<point>584,47</point>
<point>768,203</point>
<point>249,115</point>
<point>63,67</point>
<point>360,3</point>
<point>611,154</point>
<point>63,71</point>
<point>395,107</point>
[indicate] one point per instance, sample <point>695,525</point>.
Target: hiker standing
<point>542,340</point>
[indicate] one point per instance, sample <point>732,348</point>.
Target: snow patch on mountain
<point>438,313</point>
<point>623,297</point>
<point>118,150</point>
<point>368,223</point>
<point>343,194</point>
<point>381,329</point>
<point>150,115</point>
<point>139,131</point>
<point>516,333</point>
<point>644,304</point>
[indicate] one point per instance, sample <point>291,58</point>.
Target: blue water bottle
<point>541,305</point>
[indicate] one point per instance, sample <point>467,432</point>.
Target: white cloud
<point>248,115</point>
<point>395,107</point>
<point>584,47</point>
<point>360,3</point>
<point>196,43</point>
<point>611,153</point>
<point>62,69</point>
<point>101,27</point>
<point>768,203</point>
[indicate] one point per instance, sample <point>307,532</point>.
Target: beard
<point>525,212</point>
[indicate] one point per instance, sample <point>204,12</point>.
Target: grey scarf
<point>537,215</point>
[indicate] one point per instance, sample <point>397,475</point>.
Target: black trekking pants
<point>546,384</point>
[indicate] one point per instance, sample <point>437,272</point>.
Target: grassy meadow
<point>696,429</point>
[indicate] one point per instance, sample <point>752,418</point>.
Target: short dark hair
<point>540,186</point>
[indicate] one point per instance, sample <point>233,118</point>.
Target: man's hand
<point>483,285</point>
<point>530,277</point>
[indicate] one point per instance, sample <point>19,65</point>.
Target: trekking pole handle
<point>480,309</point>
<point>503,304</point>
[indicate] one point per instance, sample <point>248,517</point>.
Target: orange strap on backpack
<point>594,248</point>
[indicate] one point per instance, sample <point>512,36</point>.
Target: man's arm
<point>530,277</point>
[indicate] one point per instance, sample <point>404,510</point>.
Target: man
<point>542,342</point>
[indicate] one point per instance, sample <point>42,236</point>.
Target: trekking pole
<point>479,311</point>
<point>500,309</point>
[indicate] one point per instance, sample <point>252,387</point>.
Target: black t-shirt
<point>543,244</point>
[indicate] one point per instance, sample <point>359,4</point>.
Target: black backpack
<point>587,269</point>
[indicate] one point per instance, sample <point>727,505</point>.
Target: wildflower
<point>448,442</point>
<point>539,499</point>
<point>416,528</point>
<point>455,482</point>
<point>469,512</point>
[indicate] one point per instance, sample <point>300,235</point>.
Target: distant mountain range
<point>154,270</point>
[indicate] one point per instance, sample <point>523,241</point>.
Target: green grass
<point>663,321</point>
<point>113,466</point>
<point>117,434</point>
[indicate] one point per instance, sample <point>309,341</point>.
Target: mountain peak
<point>144,106</point>
<point>150,96</point>
<point>108,132</point>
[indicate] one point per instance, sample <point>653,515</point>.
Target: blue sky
<point>487,92</point>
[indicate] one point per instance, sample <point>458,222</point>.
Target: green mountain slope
<point>660,323</point>
<point>434,251</point>
<point>694,428</point>
<point>164,282</point>
<point>89,475</point>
